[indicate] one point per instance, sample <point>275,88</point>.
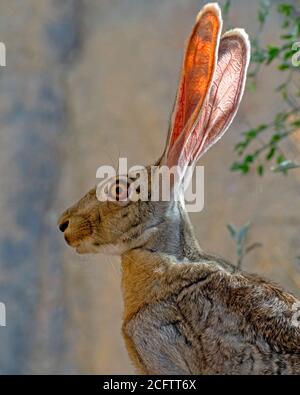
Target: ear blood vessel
<point>185,311</point>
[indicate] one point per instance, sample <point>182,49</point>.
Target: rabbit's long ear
<point>225,94</point>
<point>220,104</point>
<point>196,75</point>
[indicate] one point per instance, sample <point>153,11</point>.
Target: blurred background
<point>88,81</point>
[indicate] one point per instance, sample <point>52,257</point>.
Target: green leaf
<point>240,167</point>
<point>239,236</point>
<point>285,9</point>
<point>226,7</point>
<point>263,11</point>
<point>280,159</point>
<point>240,147</point>
<point>252,133</point>
<point>286,36</point>
<point>288,54</point>
<point>284,66</point>
<point>281,117</point>
<point>251,86</point>
<point>279,122</point>
<point>232,230</point>
<point>242,233</point>
<point>260,170</point>
<point>259,56</point>
<point>275,138</point>
<point>271,153</point>
<point>285,24</point>
<point>249,159</point>
<point>298,27</point>
<point>296,123</point>
<point>285,166</point>
<point>272,53</point>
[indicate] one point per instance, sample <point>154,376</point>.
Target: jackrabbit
<point>188,312</point>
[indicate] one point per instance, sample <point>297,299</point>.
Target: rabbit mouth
<point>86,246</point>
<point>83,248</point>
<point>89,246</point>
<point>78,233</point>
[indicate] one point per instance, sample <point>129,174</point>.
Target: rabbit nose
<point>63,226</point>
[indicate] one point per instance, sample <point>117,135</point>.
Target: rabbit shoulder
<point>210,321</point>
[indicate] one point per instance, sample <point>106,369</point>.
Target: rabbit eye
<point>118,190</point>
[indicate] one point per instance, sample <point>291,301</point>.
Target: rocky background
<point>88,81</point>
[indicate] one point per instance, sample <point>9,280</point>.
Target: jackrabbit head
<point>210,89</point>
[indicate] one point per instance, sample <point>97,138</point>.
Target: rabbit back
<point>219,324</point>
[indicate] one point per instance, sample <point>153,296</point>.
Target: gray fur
<point>186,311</point>
<point>215,321</point>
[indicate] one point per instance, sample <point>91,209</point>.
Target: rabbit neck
<point>174,237</point>
<point>171,249</point>
<point>145,268</point>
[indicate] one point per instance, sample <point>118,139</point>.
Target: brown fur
<point>216,319</point>
<point>185,311</point>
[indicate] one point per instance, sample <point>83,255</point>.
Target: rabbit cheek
<point>79,229</point>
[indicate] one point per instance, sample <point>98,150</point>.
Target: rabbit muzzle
<point>77,231</point>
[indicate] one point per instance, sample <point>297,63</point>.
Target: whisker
<point>115,271</point>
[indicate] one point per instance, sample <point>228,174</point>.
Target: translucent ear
<point>225,94</point>
<point>196,78</point>
<point>221,103</point>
